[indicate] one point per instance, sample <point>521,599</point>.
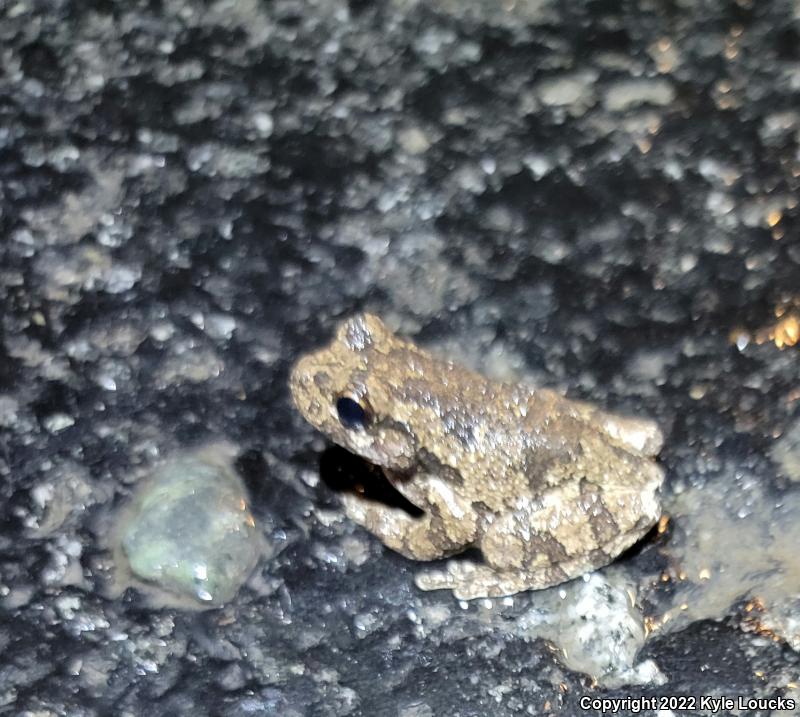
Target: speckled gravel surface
<point>597,196</point>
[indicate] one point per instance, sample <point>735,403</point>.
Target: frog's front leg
<point>447,529</point>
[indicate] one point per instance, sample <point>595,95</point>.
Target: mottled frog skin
<point>547,488</point>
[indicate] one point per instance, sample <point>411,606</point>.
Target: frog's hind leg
<point>546,543</point>
<point>510,565</point>
<point>641,435</point>
<point>470,580</point>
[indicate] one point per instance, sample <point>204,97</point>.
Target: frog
<point>518,487</point>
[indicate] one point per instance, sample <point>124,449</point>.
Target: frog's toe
<point>469,580</point>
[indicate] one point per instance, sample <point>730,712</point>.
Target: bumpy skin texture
<point>547,488</point>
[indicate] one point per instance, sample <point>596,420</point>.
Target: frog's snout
<point>308,380</point>
<point>298,376</point>
<point>301,384</point>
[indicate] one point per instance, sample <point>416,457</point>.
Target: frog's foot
<point>424,538</point>
<point>469,580</point>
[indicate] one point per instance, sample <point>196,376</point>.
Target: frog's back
<point>506,441</point>
<point>502,441</point>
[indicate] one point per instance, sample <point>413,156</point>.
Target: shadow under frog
<point>545,487</point>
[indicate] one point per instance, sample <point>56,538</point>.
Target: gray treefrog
<point>545,487</point>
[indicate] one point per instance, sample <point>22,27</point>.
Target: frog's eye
<point>352,413</point>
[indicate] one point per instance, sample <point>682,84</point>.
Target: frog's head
<point>341,390</point>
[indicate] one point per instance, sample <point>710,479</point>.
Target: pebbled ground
<point>601,197</point>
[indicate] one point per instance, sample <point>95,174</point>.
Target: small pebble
<point>190,531</point>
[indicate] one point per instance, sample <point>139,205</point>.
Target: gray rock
<point>190,531</point>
